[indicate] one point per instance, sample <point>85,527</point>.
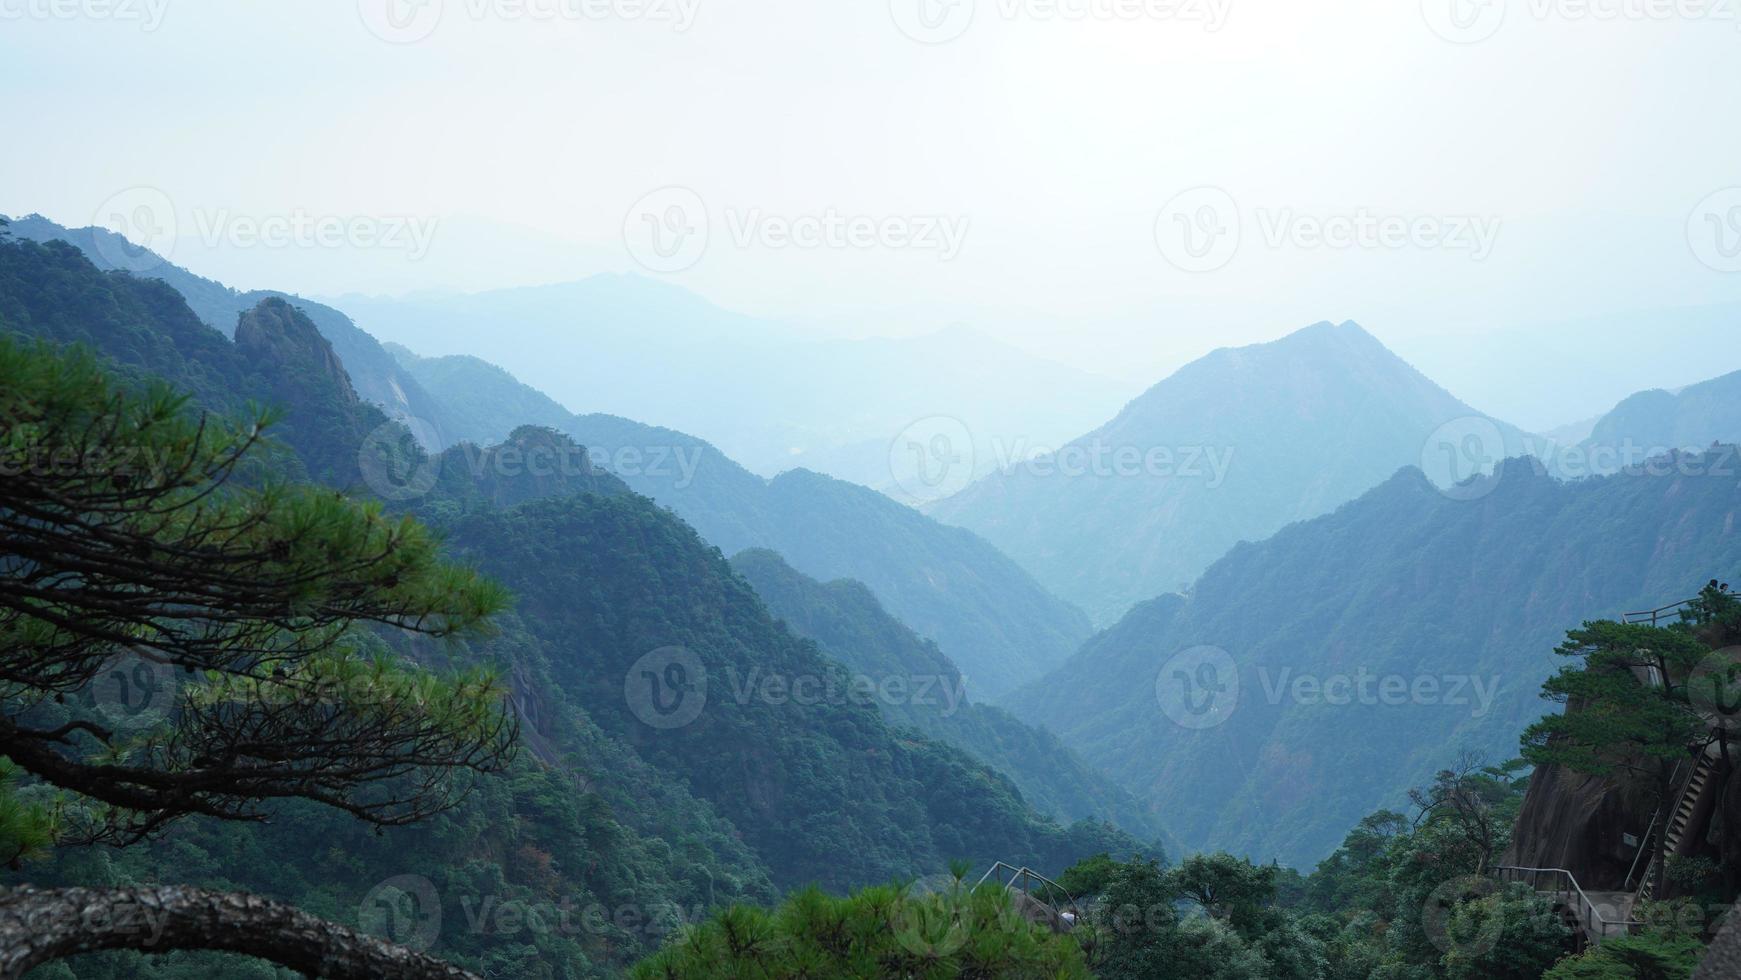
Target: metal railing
<point>1591,917</point>
<point>1036,888</point>
<point>1655,615</point>
<point>1655,819</point>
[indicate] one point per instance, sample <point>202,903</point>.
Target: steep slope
<point>648,630</point>
<point>1003,627</point>
<point>1231,448</point>
<point>1432,620</point>
<point>482,402</point>
<point>580,823</point>
<point>52,292</point>
<point>915,685</point>
<point>999,625</point>
<point>376,375</point>
<point>606,809</point>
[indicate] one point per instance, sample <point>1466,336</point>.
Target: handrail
<point>1655,818</point>
<point>1592,914</point>
<point>1025,876</point>
<point>1656,614</point>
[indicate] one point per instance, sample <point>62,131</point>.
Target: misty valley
<point>918,489</point>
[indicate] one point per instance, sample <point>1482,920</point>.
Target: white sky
<point>528,140</point>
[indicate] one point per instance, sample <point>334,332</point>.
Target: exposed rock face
<point>276,333</point>
<point>1578,822</point>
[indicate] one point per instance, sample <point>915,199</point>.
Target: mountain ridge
<point>1231,447</point>
<point>1405,582</point>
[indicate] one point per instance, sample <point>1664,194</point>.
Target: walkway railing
<point>1656,615</point>
<point>1593,918</point>
<point>1644,847</point>
<point>1036,888</point>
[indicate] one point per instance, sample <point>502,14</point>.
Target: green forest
<point>273,668</point>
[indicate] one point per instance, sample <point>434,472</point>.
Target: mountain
<point>1003,628</point>
<point>617,591</point>
<point>915,685</point>
<point>1452,606</point>
<point>770,395</point>
<point>1233,447</point>
<point>612,804</point>
<point>52,292</point>
<point>1652,422</point>
<point>948,584</point>
<point>374,372</point>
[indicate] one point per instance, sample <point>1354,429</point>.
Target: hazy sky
<point>1066,174</point>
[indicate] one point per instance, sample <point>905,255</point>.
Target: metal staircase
<point>1687,806</point>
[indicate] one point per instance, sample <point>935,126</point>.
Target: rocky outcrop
<point>1581,823</point>
<point>295,368</point>
<point>277,334</point>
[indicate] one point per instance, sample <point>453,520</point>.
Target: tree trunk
<point>38,926</point>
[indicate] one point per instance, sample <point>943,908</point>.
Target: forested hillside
<point>951,586</point>
<point>851,626</point>
<point>768,730</point>
<point>607,806</point>
<point>377,376</point>
<point>1364,650</point>
<point>948,584</point>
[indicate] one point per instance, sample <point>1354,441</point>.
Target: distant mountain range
<point>998,624</point>
<point>766,394</point>
<point>1312,678</point>
<point>990,617</point>
<point>1265,518</point>
<point>1652,422</point>
<point>1233,447</point>
<point>613,803</point>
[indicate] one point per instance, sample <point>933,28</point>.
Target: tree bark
<point>38,926</point>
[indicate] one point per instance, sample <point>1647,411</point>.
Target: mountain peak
<point>278,333</point>
<point>1325,333</point>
